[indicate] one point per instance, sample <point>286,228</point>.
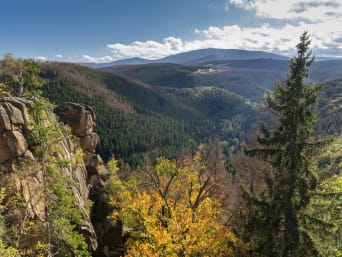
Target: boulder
<point>80,118</point>
<point>14,114</point>
<point>5,154</point>
<point>5,123</point>
<point>12,139</point>
<point>23,105</point>
<point>89,142</point>
<point>16,143</point>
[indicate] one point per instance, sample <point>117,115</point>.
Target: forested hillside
<point>330,108</point>
<point>249,78</point>
<point>134,118</point>
<point>159,74</point>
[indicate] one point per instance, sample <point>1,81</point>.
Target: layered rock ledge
<point>82,120</point>
<point>22,175</point>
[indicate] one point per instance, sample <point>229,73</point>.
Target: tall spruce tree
<point>273,224</point>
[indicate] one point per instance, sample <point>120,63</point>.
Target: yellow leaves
<point>2,196</point>
<point>141,250</point>
<point>78,158</point>
<point>169,212</point>
<point>41,249</point>
<point>198,162</point>
<point>3,89</point>
<point>5,251</point>
<point>8,251</point>
<point>164,166</point>
<point>112,166</point>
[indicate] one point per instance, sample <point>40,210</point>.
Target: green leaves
<point>19,77</point>
<point>33,86</point>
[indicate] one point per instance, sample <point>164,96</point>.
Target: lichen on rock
<point>23,176</point>
<point>82,120</point>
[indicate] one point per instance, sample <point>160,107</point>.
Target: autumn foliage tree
<point>172,210</point>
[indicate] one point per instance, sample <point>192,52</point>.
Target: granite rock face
<point>82,121</point>
<point>22,175</point>
<point>79,117</point>
<point>21,172</point>
<point>14,125</point>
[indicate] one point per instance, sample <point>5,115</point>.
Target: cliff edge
<point>70,156</point>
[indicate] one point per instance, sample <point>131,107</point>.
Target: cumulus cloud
<point>312,10</point>
<point>88,58</point>
<point>321,18</point>
<point>59,55</point>
<point>338,40</point>
<point>40,58</point>
<point>148,49</point>
<point>266,37</point>
<point>271,38</point>
<point>301,7</point>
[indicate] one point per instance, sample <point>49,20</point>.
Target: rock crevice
<point>22,175</point>
<point>82,121</point>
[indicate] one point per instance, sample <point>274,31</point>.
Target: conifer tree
<point>273,222</point>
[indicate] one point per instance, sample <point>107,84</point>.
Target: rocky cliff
<point>23,175</point>
<point>81,119</point>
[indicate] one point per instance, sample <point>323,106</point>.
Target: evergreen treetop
<point>273,224</point>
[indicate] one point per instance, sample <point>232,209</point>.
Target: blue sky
<point>108,30</point>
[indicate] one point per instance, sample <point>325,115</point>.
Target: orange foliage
<point>172,211</point>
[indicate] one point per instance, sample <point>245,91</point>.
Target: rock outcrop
<point>82,120</point>
<point>22,174</point>
<point>14,125</point>
<point>14,130</point>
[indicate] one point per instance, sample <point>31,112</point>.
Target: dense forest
<point>134,118</point>
<point>190,171</point>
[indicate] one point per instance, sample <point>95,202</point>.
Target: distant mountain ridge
<point>196,57</point>
<point>129,61</point>
<point>249,78</point>
<point>214,55</point>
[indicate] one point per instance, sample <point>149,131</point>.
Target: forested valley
<point>181,162</point>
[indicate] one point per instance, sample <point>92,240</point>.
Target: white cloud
<point>59,55</point>
<point>275,39</point>
<point>267,38</point>
<point>313,10</point>
<point>321,18</point>
<point>40,58</point>
<point>148,49</point>
<point>88,58</point>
